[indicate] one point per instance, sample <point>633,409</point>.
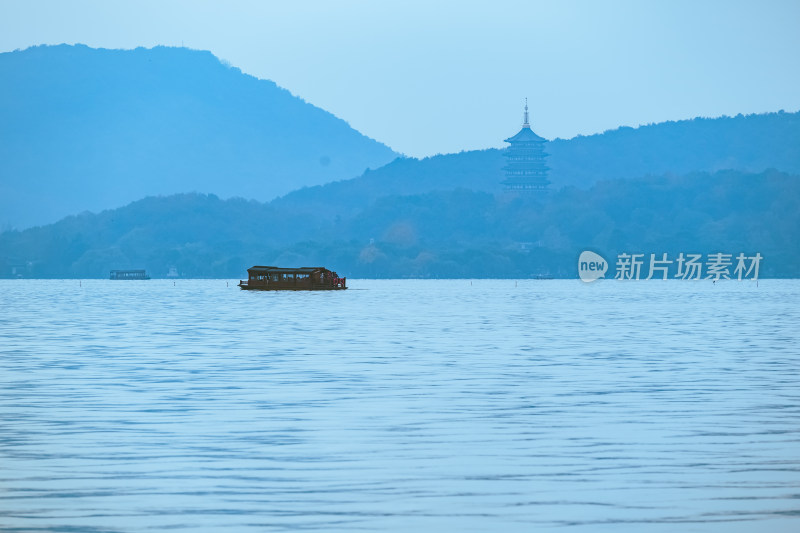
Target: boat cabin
<point>270,278</point>
<point>128,274</point>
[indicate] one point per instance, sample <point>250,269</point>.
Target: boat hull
<point>246,287</point>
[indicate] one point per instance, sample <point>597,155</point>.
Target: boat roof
<point>280,270</point>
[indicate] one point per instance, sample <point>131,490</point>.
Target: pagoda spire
<point>526,124</point>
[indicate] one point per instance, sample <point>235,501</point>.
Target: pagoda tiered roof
<point>526,134</point>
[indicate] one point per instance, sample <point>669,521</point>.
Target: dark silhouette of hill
<point>752,143</point>
<point>90,129</point>
<point>87,129</point>
<point>444,233</point>
<point>473,170</point>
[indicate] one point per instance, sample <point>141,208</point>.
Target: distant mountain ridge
<point>90,129</point>
<point>749,143</point>
<point>752,143</point>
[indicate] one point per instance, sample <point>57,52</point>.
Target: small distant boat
<point>128,274</point>
<point>270,278</point>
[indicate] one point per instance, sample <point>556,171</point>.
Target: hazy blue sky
<point>427,77</point>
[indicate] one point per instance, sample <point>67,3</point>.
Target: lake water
<point>486,405</point>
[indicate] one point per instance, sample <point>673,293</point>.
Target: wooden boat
<point>128,274</point>
<point>270,278</point>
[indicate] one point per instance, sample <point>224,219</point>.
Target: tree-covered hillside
<point>751,143</point>
<point>445,233</point>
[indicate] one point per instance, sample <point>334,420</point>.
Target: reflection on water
<point>400,406</point>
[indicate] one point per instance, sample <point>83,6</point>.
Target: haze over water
<point>491,405</point>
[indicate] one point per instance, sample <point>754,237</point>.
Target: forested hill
<point>447,233</point>
<point>90,129</point>
<point>752,143</point>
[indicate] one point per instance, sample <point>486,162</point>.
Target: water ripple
<point>406,406</point>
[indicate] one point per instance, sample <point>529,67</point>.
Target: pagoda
<point>525,169</point>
